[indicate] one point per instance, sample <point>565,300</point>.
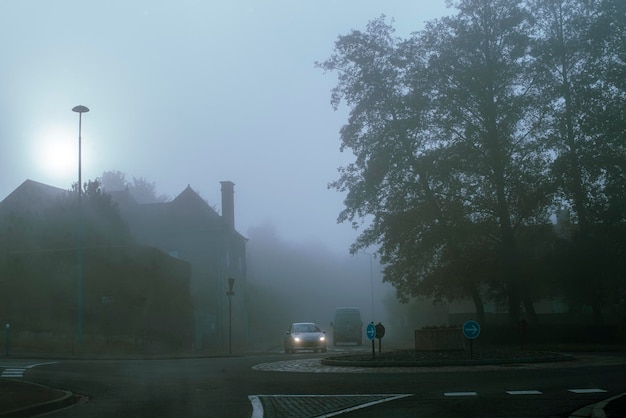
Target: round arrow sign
<point>371,331</point>
<point>471,329</point>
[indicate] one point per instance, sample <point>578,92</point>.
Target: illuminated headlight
<point>322,338</point>
<point>296,339</point>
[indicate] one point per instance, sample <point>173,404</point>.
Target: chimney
<point>228,203</point>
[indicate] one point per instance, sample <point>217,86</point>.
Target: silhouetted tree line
<point>473,134</point>
<point>134,297</point>
<point>142,190</point>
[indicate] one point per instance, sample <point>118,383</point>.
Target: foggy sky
<point>188,92</point>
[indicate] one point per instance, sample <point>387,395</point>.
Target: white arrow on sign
<point>471,329</point>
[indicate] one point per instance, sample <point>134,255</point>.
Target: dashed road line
<point>451,394</point>
<point>581,391</point>
<point>524,392</point>
<point>314,365</point>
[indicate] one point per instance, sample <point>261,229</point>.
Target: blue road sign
<point>471,329</point>
<point>371,331</point>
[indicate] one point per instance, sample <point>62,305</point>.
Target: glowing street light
<point>79,311</point>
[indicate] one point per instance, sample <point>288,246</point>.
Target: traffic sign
<point>371,332</point>
<point>380,330</point>
<point>471,329</point>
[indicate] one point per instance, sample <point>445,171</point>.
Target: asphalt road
<point>280,385</point>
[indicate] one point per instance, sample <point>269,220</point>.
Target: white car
<point>305,336</point>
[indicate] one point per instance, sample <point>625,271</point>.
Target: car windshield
<point>305,328</point>
<point>429,194</point>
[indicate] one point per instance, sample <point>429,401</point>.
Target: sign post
<point>371,334</point>
<point>523,328</point>
<point>471,330</point>
<point>7,331</point>
<point>380,333</point>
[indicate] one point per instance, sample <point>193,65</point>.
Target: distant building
<point>30,196</point>
<point>188,228</point>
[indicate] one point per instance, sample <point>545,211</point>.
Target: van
<point>347,326</point>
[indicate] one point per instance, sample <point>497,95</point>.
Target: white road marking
<point>41,364</point>
<point>460,394</point>
<point>365,405</point>
<point>579,391</point>
<point>16,372</point>
<point>258,412</point>
<point>13,373</point>
<point>524,392</point>
<point>257,406</point>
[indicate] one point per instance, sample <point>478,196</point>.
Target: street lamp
<point>371,280</point>
<point>79,320</point>
<point>230,293</point>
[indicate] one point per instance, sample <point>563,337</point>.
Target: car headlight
<point>296,339</point>
<point>322,338</point>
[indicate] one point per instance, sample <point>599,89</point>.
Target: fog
<point>194,93</point>
<point>304,282</point>
<point>188,93</point>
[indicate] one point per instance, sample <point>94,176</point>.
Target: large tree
<point>579,58</point>
<point>442,126</point>
<point>399,176</point>
<point>470,134</point>
<point>488,110</point>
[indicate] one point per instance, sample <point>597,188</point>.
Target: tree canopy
<point>470,135</point>
<point>142,190</point>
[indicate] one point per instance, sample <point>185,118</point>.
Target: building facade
<point>188,228</point>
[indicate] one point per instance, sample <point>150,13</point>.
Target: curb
<point>342,362</point>
<point>595,410</point>
<point>598,409</point>
<point>68,398</point>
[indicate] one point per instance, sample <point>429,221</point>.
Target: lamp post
<point>230,293</point>
<point>79,311</point>
<point>371,280</point>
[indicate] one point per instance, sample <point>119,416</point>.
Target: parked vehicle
<point>347,326</point>
<point>305,336</point>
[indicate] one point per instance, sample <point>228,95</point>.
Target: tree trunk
<point>478,303</point>
<point>529,307</point>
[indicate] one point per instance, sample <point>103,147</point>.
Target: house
<point>130,297</point>
<point>188,228</point>
<point>30,196</point>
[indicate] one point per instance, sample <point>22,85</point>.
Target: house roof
<point>187,208</point>
<point>188,205</point>
<point>29,195</point>
<point>190,198</point>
